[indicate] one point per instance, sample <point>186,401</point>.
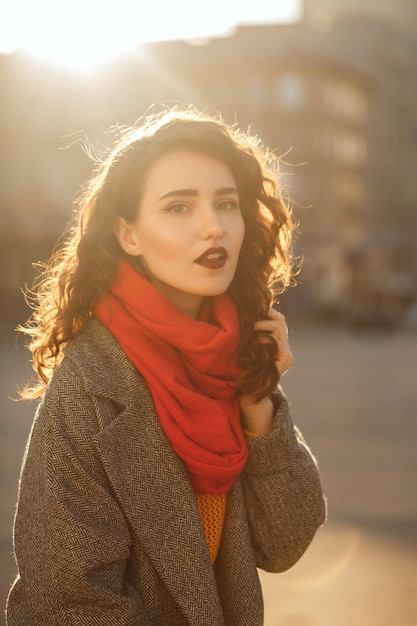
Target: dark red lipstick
<point>213,258</point>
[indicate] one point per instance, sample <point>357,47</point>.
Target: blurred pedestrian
<point>163,467</point>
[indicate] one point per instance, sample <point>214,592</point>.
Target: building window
<point>345,100</point>
<point>290,91</point>
<point>344,146</point>
<point>350,189</point>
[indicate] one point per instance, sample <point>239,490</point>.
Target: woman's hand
<point>277,327</point>
<point>258,416</point>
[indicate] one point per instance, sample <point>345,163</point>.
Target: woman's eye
<point>228,205</point>
<point>177,208</point>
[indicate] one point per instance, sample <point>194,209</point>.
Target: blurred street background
<point>331,87</point>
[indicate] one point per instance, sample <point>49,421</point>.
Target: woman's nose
<point>211,225</point>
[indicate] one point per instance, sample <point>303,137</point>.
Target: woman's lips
<point>213,258</point>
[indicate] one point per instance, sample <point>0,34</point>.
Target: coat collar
<point>103,366</point>
<point>149,479</point>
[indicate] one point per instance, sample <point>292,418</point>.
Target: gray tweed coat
<point>107,530</point>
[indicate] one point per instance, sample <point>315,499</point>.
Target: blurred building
<point>335,94</point>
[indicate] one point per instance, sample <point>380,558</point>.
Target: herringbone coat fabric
<point>107,530</point>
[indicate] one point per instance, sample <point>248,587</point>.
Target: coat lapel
<point>155,494</point>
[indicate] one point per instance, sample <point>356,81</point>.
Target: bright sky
<point>84,33</point>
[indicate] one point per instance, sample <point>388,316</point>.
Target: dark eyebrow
<point>225,191</point>
<point>177,193</point>
<point>180,193</point>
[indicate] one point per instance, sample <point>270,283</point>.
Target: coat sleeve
<point>283,495</point>
<point>71,538</point>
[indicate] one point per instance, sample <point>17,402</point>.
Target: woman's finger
<point>275,323</point>
<point>277,327</point>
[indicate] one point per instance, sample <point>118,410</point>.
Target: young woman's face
<point>189,229</point>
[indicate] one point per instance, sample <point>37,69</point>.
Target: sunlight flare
<point>86,33</point>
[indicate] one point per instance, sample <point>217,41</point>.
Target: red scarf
<point>190,367</point>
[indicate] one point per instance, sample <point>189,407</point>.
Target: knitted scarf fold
<point>191,369</point>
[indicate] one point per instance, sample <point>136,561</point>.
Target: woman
<point>163,467</point>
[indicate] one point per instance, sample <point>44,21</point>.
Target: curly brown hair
<point>84,265</point>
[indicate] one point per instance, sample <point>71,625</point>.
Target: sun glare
<point>83,34</point>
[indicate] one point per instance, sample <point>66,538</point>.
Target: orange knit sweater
<point>212,509</point>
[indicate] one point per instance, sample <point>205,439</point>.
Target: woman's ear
<point>127,236</point>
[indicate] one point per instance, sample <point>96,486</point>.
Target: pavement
<point>354,396</point>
